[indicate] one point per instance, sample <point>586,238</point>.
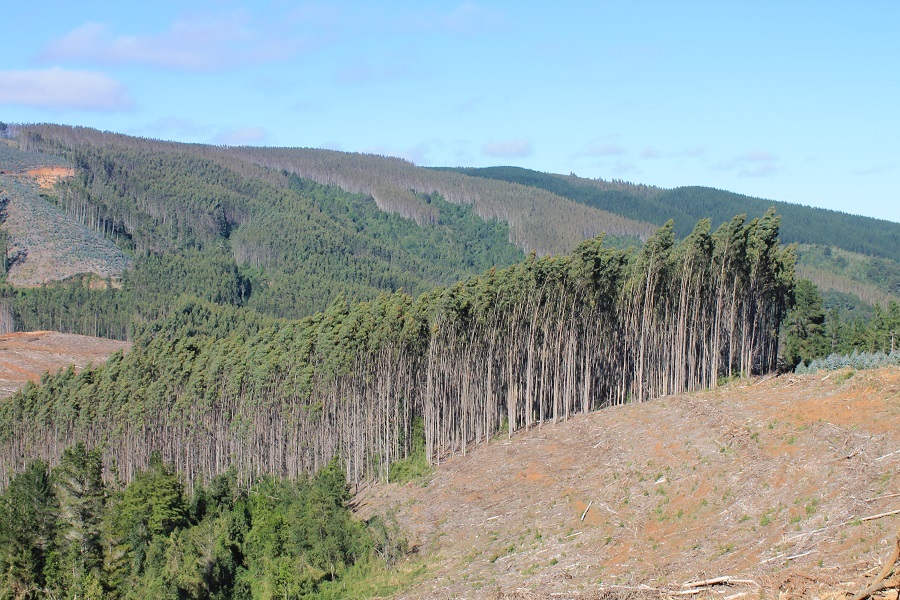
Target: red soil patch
<point>25,356</point>
<point>46,177</point>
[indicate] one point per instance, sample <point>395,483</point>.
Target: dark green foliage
<point>805,331</point>
<point>28,514</point>
<point>72,306</point>
<point>82,499</point>
<point>64,538</point>
<point>812,332</point>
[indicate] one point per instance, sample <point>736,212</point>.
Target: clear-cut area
<point>784,487</point>
<point>24,356</point>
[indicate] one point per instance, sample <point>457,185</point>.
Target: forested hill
<point>537,220</point>
<point>213,387</point>
<point>197,220</point>
<point>687,205</point>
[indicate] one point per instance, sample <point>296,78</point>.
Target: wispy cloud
<point>652,153</point>
<point>873,170</point>
<point>508,148</point>
<point>469,105</point>
<point>467,18</point>
<point>754,163</point>
<point>366,72</point>
<point>201,42</point>
<point>244,136</point>
<point>63,89</point>
<point>603,149</point>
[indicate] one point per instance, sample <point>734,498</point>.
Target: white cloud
<point>507,148</point>
<point>244,136</point>
<point>203,42</point>
<point>63,89</point>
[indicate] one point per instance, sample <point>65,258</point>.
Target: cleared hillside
<point>43,244</point>
<point>25,356</point>
<point>779,483</point>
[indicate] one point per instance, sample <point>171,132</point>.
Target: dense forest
<point>213,387</point>
<point>67,533</point>
<point>811,331</point>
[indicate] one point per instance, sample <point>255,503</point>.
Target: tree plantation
<point>213,387</point>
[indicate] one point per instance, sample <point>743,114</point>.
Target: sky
<point>793,101</point>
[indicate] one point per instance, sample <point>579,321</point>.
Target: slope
<point>537,220</point>
<point>41,243</point>
<point>687,205</point>
<point>203,222</point>
<point>771,481</point>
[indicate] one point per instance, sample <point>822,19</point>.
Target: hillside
<point>41,243</point>
<point>772,481</point>
<point>287,230</point>
<point>537,220</point>
<point>854,260</point>
<point>687,205</point>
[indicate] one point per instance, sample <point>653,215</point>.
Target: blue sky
<point>793,101</point>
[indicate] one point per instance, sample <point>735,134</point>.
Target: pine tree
<point>805,335</point>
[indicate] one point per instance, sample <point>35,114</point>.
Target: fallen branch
<point>882,497</point>
<point>890,454</point>
<point>584,514</point>
<point>880,515</point>
<point>880,582</point>
<point>707,582</point>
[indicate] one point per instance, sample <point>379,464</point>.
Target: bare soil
<point>25,356</point>
<point>768,482</point>
<point>46,177</point>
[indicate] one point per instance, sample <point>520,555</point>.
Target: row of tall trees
<point>214,387</point>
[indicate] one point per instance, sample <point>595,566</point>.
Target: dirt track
<point>768,483</point>
<point>24,356</point>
